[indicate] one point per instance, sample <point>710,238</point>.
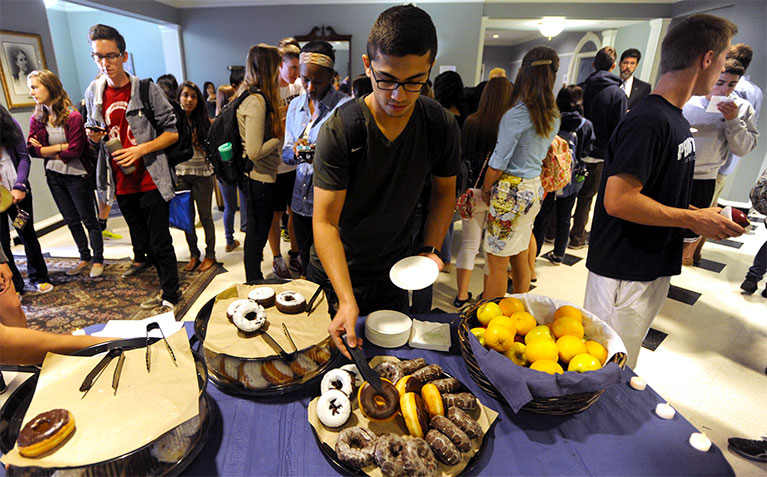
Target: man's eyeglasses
<point>391,85</point>
<point>111,57</point>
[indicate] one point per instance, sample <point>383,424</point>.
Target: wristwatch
<point>427,249</point>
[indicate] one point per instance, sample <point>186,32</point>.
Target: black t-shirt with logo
<point>383,188</point>
<point>654,144</point>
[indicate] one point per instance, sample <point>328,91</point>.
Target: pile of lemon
<point>512,331</point>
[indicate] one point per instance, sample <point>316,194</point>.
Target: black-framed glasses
<point>110,56</point>
<point>391,85</point>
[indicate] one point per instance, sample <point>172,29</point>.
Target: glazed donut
<point>390,454</point>
<point>276,372</point>
<point>249,317</point>
<point>338,379</point>
<point>433,399</point>
<point>334,408</point>
<point>356,447</point>
<point>416,416</point>
<point>45,432</point>
<point>377,406</point>
<point>447,385</point>
<point>233,307</point>
<point>389,370</point>
<point>420,459</point>
<point>465,401</point>
<point>428,373</point>
<point>290,302</point>
<point>302,365</point>
<point>250,375</point>
<point>410,366</point>
<point>352,368</point>
<point>318,354</point>
<point>408,384</point>
<point>443,448</point>
<point>453,432</point>
<point>465,422</point>
<point>264,296</point>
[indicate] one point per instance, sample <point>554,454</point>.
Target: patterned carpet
<point>80,301</point>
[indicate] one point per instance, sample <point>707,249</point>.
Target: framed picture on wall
<point>20,54</point>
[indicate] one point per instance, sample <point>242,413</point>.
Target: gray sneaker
<point>280,268</point>
<point>154,302</point>
<point>135,268</point>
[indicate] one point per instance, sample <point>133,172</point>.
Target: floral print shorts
<point>514,203</point>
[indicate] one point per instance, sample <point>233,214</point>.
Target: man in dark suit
<point>634,88</point>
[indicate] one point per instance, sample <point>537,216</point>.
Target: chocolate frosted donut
<point>291,302</point>
<point>465,401</point>
<point>356,447</point>
<point>264,296</point>
<point>390,454</point>
<point>412,365</point>
<point>447,385</point>
<point>428,373</point>
<point>408,384</point>
<point>378,406</point>
<point>453,432</point>
<point>389,370</point>
<point>45,431</point>
<point>420,459</point>
<point>465,422</point>
<point>443,448</point>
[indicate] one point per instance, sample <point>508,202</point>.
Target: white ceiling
<point>520,30</point>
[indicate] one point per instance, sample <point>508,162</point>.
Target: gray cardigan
<point>156,163</point>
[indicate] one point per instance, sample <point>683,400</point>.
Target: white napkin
<point>430,335</point>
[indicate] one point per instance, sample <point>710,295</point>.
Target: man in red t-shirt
<point>139,171</point>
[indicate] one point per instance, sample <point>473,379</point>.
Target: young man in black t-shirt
<point>644,194</point>
<point>364,202</point>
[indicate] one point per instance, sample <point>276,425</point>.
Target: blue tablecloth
<point>619,435</point>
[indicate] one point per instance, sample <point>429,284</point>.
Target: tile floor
<point>710,367</point>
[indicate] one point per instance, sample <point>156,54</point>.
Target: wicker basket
<point>559,405</point>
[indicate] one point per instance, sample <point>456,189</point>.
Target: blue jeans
<point>74,198</point>
<point>229,193</point>
<point>201,188</point>
<point>759,268</point>
<point>260,212</point>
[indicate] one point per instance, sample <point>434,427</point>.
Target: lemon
<point>569,310</point>
<point>539,332</point>
<point>547,366</point>
<point>541,349</point>
<point>487,312</point>
<point>597,350</point>
<point>570,346</point>
<point>567,326</point>
<point>583,362</point>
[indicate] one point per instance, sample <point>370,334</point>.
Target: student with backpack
<point>196,175</point>
<point>512,187</point>
<point>372,159</point>
<point>56,134</point>
<point>579,134</point>
<point>261,130</point>
<point>138,170</point>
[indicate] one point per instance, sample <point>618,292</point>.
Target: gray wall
<point>633,36</point>
<point>751,18</point>
<point>30,16</point>
<point>213,40</point>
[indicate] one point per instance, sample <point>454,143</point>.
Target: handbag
<point>758,194</point>
<point>181,211</point>
<point>464,205</point>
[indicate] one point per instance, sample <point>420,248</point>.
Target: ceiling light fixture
<point>551,26</point>
<point>496,35</point>
<point>50,3</point>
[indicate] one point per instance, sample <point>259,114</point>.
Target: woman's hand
<point>34,141</point>
<point>18,195</point>
<point>486,197</point>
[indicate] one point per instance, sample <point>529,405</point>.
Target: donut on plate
<point>276,372</point>
<point>465,401</point>
<point>352,368</point>
<point>233,306</point>
<point>290,302</point>
<point>356,446</point>
<point>390,454</point>
<point>338,379</point>
<point>249,317</point>
<point>447,385</point>
<point>433,399</point>
<point>377,406</point>
<point>410,366</point>
<point>389,370</point>
<point>334,408</point>
<point>465,422</point>
<point>453,432</point>
<point>264,296</point>
<point>428,373</point>
<point>443,447</point>
<point>416,416</point>
<point>45,432</point>
<point>420,459</point>
<point>408,384</point>
<point>318,354</point>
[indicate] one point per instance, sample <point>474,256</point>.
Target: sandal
<point>459,303</point>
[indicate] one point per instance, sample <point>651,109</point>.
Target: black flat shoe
<point>459,303</point>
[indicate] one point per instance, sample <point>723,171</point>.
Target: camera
<point>305,153</point>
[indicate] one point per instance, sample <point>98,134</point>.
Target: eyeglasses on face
<point>391,85</point>
<point>109,56</point>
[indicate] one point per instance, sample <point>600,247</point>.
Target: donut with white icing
<point>291,303</point>
<point>232,308</point>
<point>249,317</point>
<point>338,379</point>
<point>264,296</point>
<point>334,408</point>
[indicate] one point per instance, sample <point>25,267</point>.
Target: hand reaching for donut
<point>344,322</point>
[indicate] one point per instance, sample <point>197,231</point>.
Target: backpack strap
<point>143,93</point>
<point>436,125</point>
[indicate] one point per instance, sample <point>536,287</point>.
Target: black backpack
<point>182,150</point>
<point>225,129</point>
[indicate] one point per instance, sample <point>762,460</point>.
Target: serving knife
<point>362,365</point>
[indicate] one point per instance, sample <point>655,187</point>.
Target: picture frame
<point>20,54</point>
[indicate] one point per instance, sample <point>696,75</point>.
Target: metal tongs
<point>91,378</point>
<point>155,326</point>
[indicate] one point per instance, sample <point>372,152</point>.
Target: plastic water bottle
<point>225,150</point>
<point>115,144</point>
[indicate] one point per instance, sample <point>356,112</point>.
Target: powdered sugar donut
<point>234,306</point>
<point>352,368</point>
<point>291,302</point>
<point>338,379</point>
<point>264,296</point>
<point>249,317</point>
<point>334,408</point>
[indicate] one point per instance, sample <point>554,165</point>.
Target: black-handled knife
<point>362,365</point>
<point>99,368</point>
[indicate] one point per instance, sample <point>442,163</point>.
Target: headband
<point>316,58</point>
<point>539,63</point>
